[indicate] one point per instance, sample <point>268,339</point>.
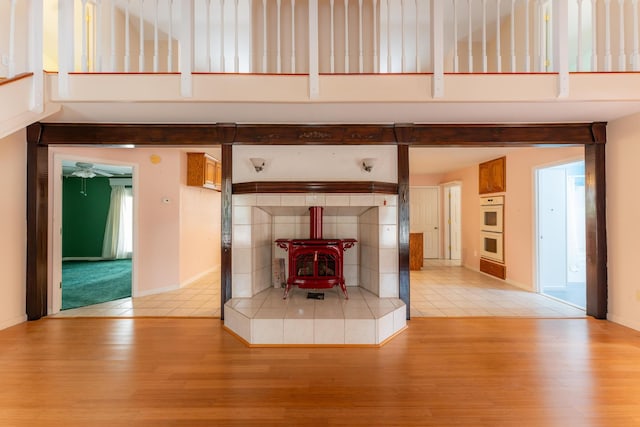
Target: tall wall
<point>623,211</point>
<point>13,229</point>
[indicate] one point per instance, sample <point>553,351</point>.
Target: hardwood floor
<point>190,372</point>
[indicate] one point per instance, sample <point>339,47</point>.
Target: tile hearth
<point>268,319</point>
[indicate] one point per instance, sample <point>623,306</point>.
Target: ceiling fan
<point>88,170</point>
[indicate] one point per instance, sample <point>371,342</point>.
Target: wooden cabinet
<point>204,171</point>
<point>416,251</point>
<point>492,176</point>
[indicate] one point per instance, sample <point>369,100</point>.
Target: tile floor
<point>198,299</point>
<point>439,290</point>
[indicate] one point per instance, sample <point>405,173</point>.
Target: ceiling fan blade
<point>102,173</point>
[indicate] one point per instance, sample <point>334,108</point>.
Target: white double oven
<point>492,217</point>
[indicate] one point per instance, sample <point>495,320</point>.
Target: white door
<point>424,218</point>
<point>455,226</point>
<point>552,228</point>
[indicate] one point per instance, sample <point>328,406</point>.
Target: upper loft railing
<point>314,37</point>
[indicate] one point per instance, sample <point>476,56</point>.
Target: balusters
<point>484,36</point>
<point>622,58</point>
<point>155,39</point>
<point>141,44</point>
<point>402,45</point>
<point>634,55</point>
<point>376,37</point>
<point>97,66</point>
<point>456,59</point>
<point>170,37</point>
<point>113,35</point>
<point>222,55</point>
<point>127,45</point>
<point>278,50</point>
<point>346,36</point>
<point>417,36</point>
<point>527,50</point>
<point>264,36</point>
<point>84,46</point>
<point>607,35</point>
<point>293,36</point>
<point>498,53</point>
<point>579,56</point>
<point>389,57</point>
<point>360,42</point>
<point>594,38</point>
<point>209,35</point>
<point>236,56</point>
<point>332,48</point>
<point>512,47</point>
<point>470,38</point>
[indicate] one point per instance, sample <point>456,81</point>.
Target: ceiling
<point>99,169</point>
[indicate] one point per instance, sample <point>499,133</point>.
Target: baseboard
<point>12,322</point>
<point>519,285</point>
<point>624,322</point>
<point>84,258</point>
<point>199,276</point>
<point>156,291</point>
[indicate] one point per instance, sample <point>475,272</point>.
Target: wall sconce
<point>257,163</point>
<point>367,164</point>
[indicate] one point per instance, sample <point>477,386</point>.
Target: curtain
<point>118,233</point>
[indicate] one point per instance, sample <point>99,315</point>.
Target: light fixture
<point>257,163</point>
<point>367,164</point>
<point>84,173</point>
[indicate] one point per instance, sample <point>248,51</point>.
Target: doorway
<point>452,222</point>
<point>94,202</point>
<point>561,242</point>
<point>425,218</point>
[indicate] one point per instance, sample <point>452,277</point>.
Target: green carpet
<point>92,282</point>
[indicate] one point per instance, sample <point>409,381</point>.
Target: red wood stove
<point>315,263</point>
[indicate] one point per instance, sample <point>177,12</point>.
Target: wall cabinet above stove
<point>204,171</point>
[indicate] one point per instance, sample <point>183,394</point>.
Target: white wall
<point>623,211</point>
<point>13,229</point>
<point>315,163</point>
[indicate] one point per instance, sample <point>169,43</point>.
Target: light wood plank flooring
<point>440,372</point>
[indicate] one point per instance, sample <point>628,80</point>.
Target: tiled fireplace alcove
<point>258,314</point>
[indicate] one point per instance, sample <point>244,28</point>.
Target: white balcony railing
<point>313,37</point>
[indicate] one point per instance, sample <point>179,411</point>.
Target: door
<point>454,223</point>
<point>424,218</point>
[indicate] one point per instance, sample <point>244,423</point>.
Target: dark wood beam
<point>355,134</point>
<point>226,227</point>
<point>135,134</point>
<point>464,135</point>
<point>403,226</point>
<point>37,224</point>
<point>596,231</point>
<point>315,187</point>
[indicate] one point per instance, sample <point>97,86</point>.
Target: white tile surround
<point>267,319</point>
<point>370,269</point>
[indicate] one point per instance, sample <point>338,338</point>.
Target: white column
<point>607,35</point>
<point>456,59</point>
<point>498,47</point>
<point>155,38</point>
<point>35,55</point>
<point>594,38</point>
<point>186,48</point>
<point>389,57</point>
<point>127,41</point>
<point>314,84</point>
<point>561,45</point>
<point>376,37</point>
<point>236,49</point>
<point>579,56</point>
<point>361,51</point>
<point>83,45</point>
<point>12,39</point>
<point>170,38</point>
<point>437,47</point>
<point>416,2</point>
<point>97,56</point>
<point>65,45</point>
<point>484,36</point>
<point>527,43</point>
<point>403,47</point>
<point>222,55</point>
<point>333,36</point>
<point>278,50</point>
<point>112,22</point>
<point>634,56</point>
<point>469,39</point>
<point>264,36</point>
<point>512,46</point>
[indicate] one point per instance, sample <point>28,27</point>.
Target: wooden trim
<point>137,134</point>
<point>595,199</point>
<point>403,226</point>
<point>4,81</point>
<point>315,187</point>
<point>226,227</point>
<point>599,132</point>
<point>463,135</point>
<point>314,134</point>
<point>37,225</point>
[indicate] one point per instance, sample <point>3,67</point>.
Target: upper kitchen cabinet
<point>492,176</point>
<point>204,171</point>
